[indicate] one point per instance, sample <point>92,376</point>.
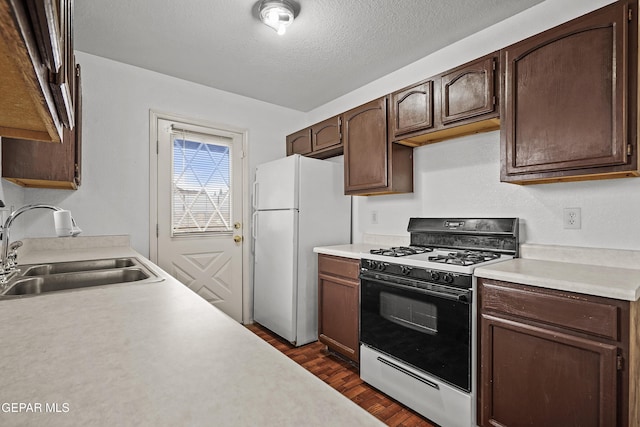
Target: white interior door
<point>199,211</point>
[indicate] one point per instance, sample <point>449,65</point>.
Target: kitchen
<point>458,177</point>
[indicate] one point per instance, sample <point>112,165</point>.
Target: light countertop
<point>592,271</point>
<point>599,272</point>
<point>354,250</point>
<point>148,354</point>
<point>369,241</point>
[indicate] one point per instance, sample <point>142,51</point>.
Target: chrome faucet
<point>8,261</point>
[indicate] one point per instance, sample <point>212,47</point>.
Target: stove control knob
<point>406,270</point>
<point>448,278</point>
<point>381,266</point>
<point>371,264</point>
<point>434,275</point>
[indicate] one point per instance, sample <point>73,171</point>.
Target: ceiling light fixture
<point>277,14</point>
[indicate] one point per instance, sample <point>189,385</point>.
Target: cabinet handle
<point>619,362</point>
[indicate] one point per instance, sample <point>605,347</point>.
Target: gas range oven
<point>417,311</point>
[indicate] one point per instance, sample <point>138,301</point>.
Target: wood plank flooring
<point>343,376</point>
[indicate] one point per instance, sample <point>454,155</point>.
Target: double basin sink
<point>39,279</point>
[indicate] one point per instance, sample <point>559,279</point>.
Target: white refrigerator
<point>299,203</point>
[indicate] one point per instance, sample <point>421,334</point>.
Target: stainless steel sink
<point>76,266</point>
<point>63,276</point>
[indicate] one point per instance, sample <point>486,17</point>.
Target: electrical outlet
<point>572,219</point>
<point>374,217</point>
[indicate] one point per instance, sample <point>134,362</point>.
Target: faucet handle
<point>12,256</point>
<point>15,245</point>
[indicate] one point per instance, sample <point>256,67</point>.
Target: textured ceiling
<point>332,48</point>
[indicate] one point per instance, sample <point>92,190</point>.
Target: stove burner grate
<point>398,251</point>
<point>464,257</point>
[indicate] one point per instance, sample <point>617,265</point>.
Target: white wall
<point>453,178</point>
<point>461,177</point>
<point>114,196</point>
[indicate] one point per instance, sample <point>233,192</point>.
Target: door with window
<point>199,211</point>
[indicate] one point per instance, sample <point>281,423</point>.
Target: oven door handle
<point>409,373</point>
<point>463,296</point>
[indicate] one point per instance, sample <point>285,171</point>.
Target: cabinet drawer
<point>338,266</point>
<point>591,315</point>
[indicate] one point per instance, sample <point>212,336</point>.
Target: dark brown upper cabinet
<point>28,160</point>
<point>469,91</point>
<point>372,163</point>
<point>36,63</point>
<point>299,142</point>
<point>411,109</point>
<point>47,165</point>
<point>322,140</point>
<point>461,101</point>
<point>326,138</point>
<point>569,109</point>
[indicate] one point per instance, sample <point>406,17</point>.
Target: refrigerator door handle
<point>255,194</point>
<point>254,234</point>
<point>254,225</point>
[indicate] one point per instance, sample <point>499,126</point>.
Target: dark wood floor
<point>343,376</point>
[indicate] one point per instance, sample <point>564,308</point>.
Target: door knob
<point>237,239</point>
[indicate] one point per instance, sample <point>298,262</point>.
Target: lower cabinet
<point>338,290</point>
<point>553,358</point>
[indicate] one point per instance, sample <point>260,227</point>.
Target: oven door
<point>427,329</point>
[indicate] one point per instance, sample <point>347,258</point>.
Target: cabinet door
<point>27,106</point>
<point>53,28</point>
<point>44,164</point>
<point>365,147</point>
<point>62,82</point>
<point>77,131</point>
<point>338,315</point>
<point>299,142</point>
<point>338,291</point>
<point>468,91</point>
<point>530,376</point>
<point>326,134</point>
<point>411,109</point>
<point>568,95</point>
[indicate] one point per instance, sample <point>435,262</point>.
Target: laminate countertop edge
<point>149,354</point>
<point>354,250</point>
<point>610,282</point>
